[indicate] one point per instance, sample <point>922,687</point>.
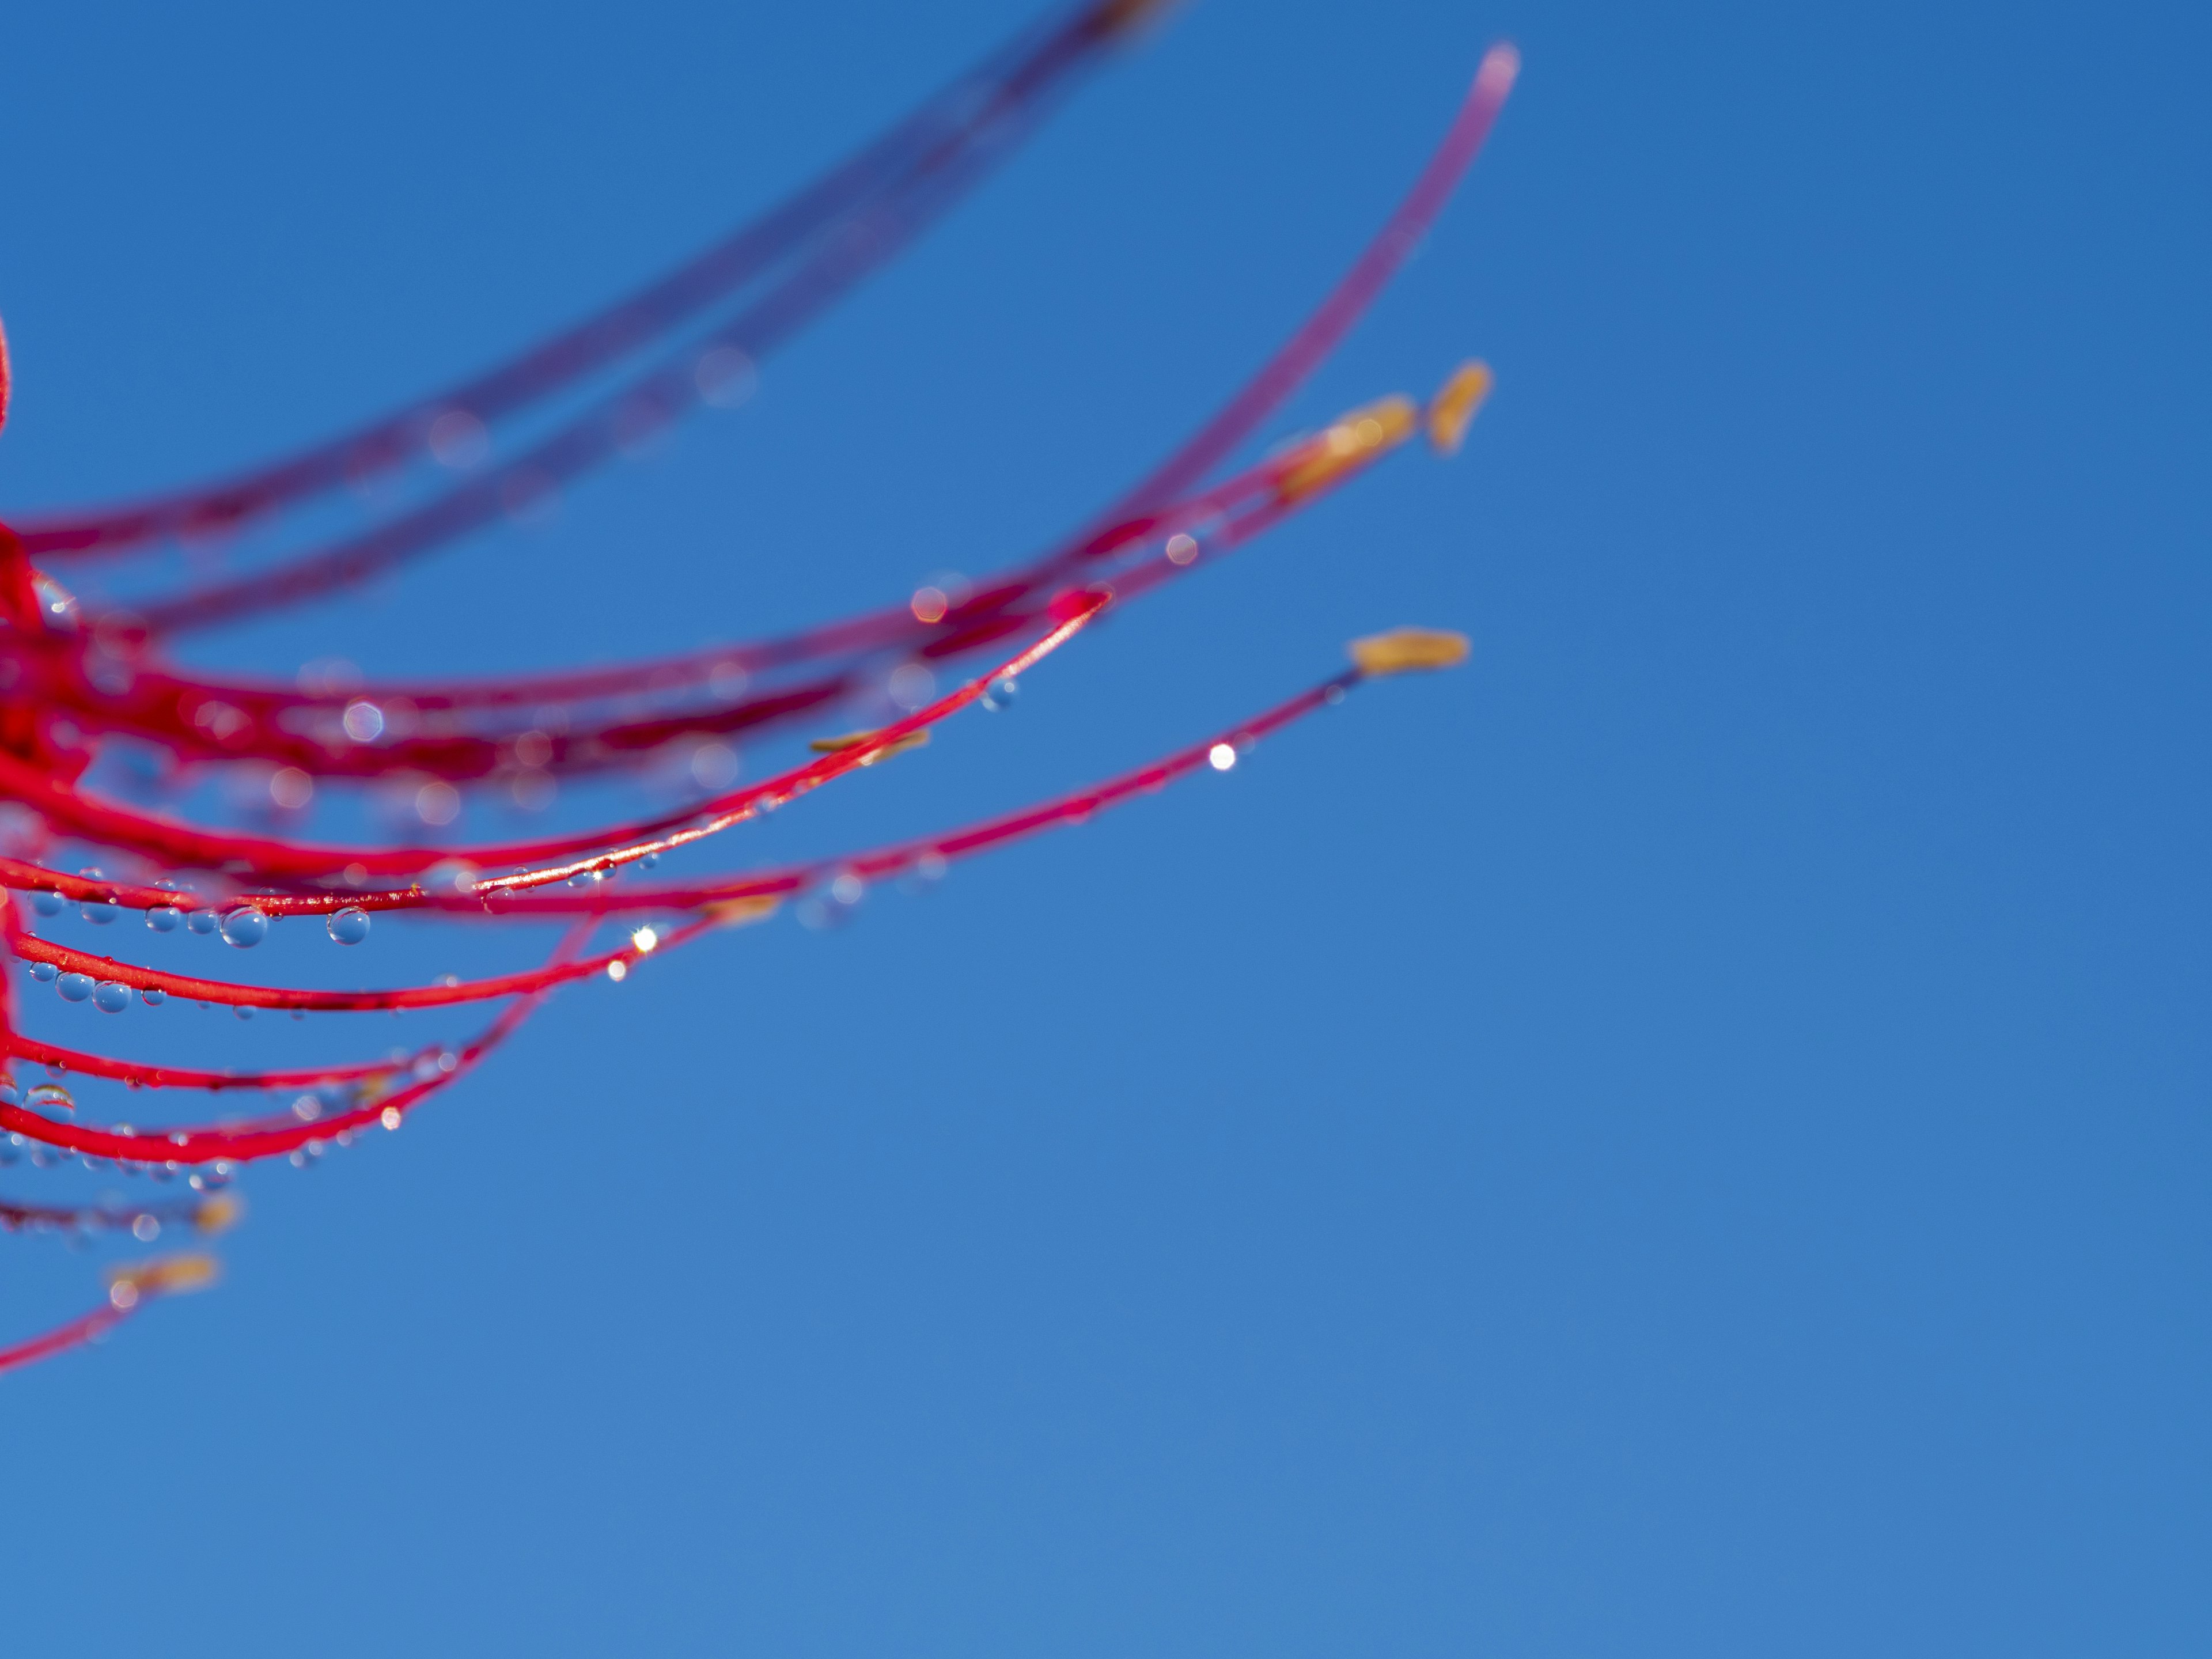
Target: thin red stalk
<point>70,812</point>
<point>207,1144</point>
<point>84,1328</point>
<point>139,1076</point>
<point>113,1219</point>
<point>1231,425</point>
<point>1024,71</point>
<point>156,706</point>
<point>646,404</point>
<point>270,1137</point>
<point>1074,807</point>
<point>1319,335</point>
<point>591,438</point>
<point>31,878</point>
<point>643,898</point>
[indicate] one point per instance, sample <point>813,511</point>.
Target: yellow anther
<point>741,912</point>
<point>219,1214</point>
<point>854,739</point>
<point>1352,441</point>
<point>1457,401</point>
<point>173,1276</point>
<point>1404,650</point>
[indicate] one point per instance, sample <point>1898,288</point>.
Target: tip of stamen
<point>741,912</point>
<point>1351,441</point>
<point>1501,66</point>
<point>854,739</point>
<point>1457,401</point>
<point>174,1275</point>
<point>219,1214</point>
<point>1409,650</point>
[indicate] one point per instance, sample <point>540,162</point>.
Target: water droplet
<point>244,1011</point>
<point>1001,694</point>
<point>56,604</point>
<point>44,972</point>
<point>714,766</point>
<point>97,913</point>
<point>10,1095</point>
<point>651,861</point>
<point>49,1097</point>
<point>450,876</point>
<point>291,788</point>
<point>164,919</point>
<point>725,377</point>
<point>111,997</point>
<point>1221,756</point>
<point>74,987</point>
<point>458,439</point>
<point>912,686</point>
<point>204,921</point>
<point>152,997</point>
<point>618,971</point>
<point>923,874</point>
<point>847,889</point>
<point>363,721</point>
<point>308,1108</point>
<point>1334,695</point>
<point>437,803</point>
<point>389,1117</point>
<point>47,904</point>
<point>1181,549</point>
<point>245,927</point>
<point>146,1229</point>
<point>349,925</point>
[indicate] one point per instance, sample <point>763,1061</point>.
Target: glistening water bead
<point>204,921</point>
<point>349,925</point>
<point>111,997</point>
<point>164,918</point>
<point>74,987</point>
<point>1001,694</point>
<point>245,927</point>
<point>47,904</point>
<point>44,972</point>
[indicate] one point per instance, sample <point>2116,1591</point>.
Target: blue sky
<point>1684,1137</point>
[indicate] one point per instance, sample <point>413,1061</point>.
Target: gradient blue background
<point>1687,1137</point>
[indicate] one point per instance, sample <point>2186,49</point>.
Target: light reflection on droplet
<point>725,376</point>
<point>363,721</point>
